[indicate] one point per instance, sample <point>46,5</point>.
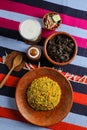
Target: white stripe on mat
<point>21,46</point>
<point>13,44</point>
<point>7,124</point>
<point>8,102</point>
<point>80,61</point>
<point>76,119</point>
<point>21,17</point>
<point>76,4</point>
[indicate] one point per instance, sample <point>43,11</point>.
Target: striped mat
<point>74,21</point>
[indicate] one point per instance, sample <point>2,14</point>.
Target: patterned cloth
<point>74,21</point>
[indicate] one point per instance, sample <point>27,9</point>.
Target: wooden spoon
<point>17,61</point>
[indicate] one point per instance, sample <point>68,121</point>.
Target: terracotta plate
<point>44,118</point>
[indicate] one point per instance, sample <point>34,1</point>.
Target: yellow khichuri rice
<point>43,94</point>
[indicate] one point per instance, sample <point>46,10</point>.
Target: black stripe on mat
<point>55,7</point>
<point>10,33</point>
<point>79,109</point>
<point>78,87</point>
<point>19,74</point>
<point>8,91</point>
<point>72,69</point>
<point>15,35</point>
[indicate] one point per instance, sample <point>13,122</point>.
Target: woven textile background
<point>74,21</point>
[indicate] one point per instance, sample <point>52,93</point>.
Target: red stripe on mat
<point>10,24</point>
<point>1,60</point>
<point>11,114</point>
<point>13,25</point>
<point>12,82</point>
<point>66,126</point>
<point>38,12</point>
<point>80,98</point>
<point>15,115</point>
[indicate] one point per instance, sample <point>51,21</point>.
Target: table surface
<point>74,21</point>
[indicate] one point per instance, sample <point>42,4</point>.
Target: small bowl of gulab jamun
<point>60,48</point>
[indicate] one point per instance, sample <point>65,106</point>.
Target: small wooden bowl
<point>50,117</point>
<point>50,58</point>
<point>44,21</point>
<point>34,49</point>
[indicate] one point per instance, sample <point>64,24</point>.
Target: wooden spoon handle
<point>6,77</point>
